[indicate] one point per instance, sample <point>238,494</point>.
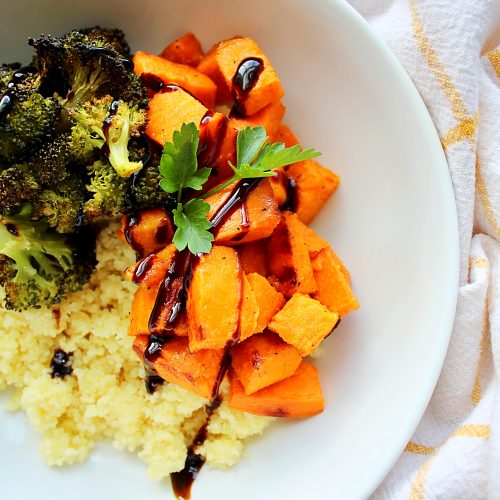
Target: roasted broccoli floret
<point>144,190</point>
<point>109,125</point>
<point>17,185</point>
<point>61,204</point>
<point>108,192</point>
<point>79,67</point>
<point>113,37</point>
<point>39,267</point>
<point>27,120</point>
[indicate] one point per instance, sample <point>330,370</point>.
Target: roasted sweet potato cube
<point>298,396</point>
<point>209,66</point>
<point>289,263</point>
<point>249,310</point>
<point>261,211</point>
<point>333,287</point>
<point>190,79</point>
<point>286,136</point>
<point>269,300</point>
<point>148,231</point>
<point>149,271</point>
<point>213,305</point>
<point>279,183</point>
<point>303,322</point>
<point>142,306</point>
<point>197,372</point>
<point>266,90</point>
<point>168,111</point>
<point>216,148</point>
<point>269,117</point>
<point>314,185</point>
<point>253,257</point>
<point>263,360</point>
<point>185,50</point>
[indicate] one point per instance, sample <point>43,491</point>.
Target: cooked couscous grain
<point>104,397</point>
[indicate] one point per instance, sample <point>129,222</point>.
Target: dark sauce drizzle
<point>12,228</point>
<point>291,195</point>
<point>244,80</point>
<point>60,364</point>
<point>155,85</point>
<point>131,220</point>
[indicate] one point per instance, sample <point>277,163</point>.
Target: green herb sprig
<point>255,158</point>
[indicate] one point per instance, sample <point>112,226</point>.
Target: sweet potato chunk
<point>216,148</point>
<point>303,322</point>
<point>266,90</point>
<point>197,372</point>
<point>289,262</point>
<point>297,396</point>
<point>269,300</point>
<point>213,305</point>
<point>149,271</point>
<point>262,213</point>
<point>253,257</point>
<point>249,310</point>
<point>142,306</point>
<point>168,111</point>
<point>148,231</point>
<point>209,66</point>
<point>184,50</point>
<point>285,135</point>
<point>315,184</point>
<point>333,287</point>
<point>190,79</point>
<point>263,360</point>
<point>269,117</point>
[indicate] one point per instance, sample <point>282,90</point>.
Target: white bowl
<point>393,221</point>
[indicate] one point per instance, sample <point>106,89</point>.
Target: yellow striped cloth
<point>451,49</point>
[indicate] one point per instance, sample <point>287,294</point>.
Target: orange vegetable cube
<point>289,263</point>
<point>298,396</point>
<point>263,360</point>
<point>266,90</point>
<point>333,286</point>
<point>269,117</point>
<point>190,79</point>
<point>269,300</point>
<point>262,214</point>
<point>253,257</point>
<point>148,231</point>
<point>150,271</point>
<point>214,297</point>
<point>209,66</point>
<point>197,372</point>
<point>315,184</point>
<point>168,111</point>
<point>286,136</point>
<point>249,310</point>
<point>304,322</point>
<point>184,50</point>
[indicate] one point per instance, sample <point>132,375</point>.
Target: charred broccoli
<point>39,267</point>
<point>113,37</point>
<point>108,192</point>
<point>80,66</point>
<point>27,119</point>
<point>17,185</point>
<point>105,123</point>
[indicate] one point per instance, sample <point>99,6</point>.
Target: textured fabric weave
<point>451,50</point>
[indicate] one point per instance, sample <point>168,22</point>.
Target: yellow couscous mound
<point>105,398</point>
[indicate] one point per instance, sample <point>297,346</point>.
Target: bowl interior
<point>392,221</point>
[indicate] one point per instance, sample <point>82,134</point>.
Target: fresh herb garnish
<point>255,158</point>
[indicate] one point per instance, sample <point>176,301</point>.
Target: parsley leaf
<point>179,164</point>
<point>193,227</point>
<point>248,144</point>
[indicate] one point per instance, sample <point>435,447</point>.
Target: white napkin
<point>451,49</point>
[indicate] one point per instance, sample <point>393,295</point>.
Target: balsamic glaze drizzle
<point>7,99</point>
<point>244,80</point>
<point>60,364</point>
